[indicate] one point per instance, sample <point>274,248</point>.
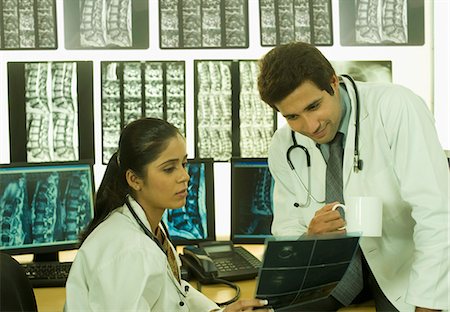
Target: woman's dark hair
<point>284,68</point>
<point>141,142</point>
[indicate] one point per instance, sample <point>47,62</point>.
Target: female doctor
<point>126,262</point>
<point>402,163</point>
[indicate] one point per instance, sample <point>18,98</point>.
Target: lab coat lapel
<point>350,140</point>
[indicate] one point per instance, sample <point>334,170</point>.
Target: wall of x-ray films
<point>73,73</point>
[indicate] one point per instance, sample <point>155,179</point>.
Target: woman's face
<point>166,179</point>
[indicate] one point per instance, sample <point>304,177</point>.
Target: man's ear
<point>133,180</point>
<point>334,84</point>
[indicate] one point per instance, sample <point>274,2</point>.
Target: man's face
<point>313,112</point>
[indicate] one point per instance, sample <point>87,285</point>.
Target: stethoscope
<point>357,162</point>
<point>148,233</point>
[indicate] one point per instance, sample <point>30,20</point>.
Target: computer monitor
<point>251,200</point>
<point>194,222</point>
<point>44,207</point>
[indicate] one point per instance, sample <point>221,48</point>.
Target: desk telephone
<point>220,260</point>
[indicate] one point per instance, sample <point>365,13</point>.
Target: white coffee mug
<point>363,214</point>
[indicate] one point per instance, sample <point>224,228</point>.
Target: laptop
<point>297,272</point>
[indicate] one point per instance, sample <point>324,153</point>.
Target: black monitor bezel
<point>210,205</point>
<point>234,204</point>
<point>44,253</point>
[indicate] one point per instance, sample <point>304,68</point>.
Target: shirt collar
<point>346,111</point>
<point>345,119</point>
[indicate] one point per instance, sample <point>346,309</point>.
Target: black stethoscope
<point>357,162</point>
<point>145,229</point>
<point>158,243</point>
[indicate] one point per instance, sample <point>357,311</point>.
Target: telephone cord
<point>231,284</point>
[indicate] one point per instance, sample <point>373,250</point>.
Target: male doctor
<point>403,164</point>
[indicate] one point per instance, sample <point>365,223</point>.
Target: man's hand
<point>326,220</point>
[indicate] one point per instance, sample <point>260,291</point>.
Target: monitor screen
<point>251,200</point>
<point>44,207</point>
<point>194,222</point>
<point>297,272</point>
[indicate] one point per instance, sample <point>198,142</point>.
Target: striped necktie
<point>334,171</point>
<point>351,283</point>
<point>171,258</point>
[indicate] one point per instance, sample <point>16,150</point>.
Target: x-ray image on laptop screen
<point>297,272</point>
<point>195,221</point>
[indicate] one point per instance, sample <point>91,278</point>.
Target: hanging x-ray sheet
<point>373,71</point>
<point>50,115</point>
<point>28,24</point>
<point>213,109</point>
<point>231,120</point>
<point>257,120</point>
<point>203,24</point>
<point>382,22</point>
<point>106,24</point>
<point>284,21</point>
<point>131,90</point>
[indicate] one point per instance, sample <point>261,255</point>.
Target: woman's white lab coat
<point>119,268</point>
<point>405,166</point>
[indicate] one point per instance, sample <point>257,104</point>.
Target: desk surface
<point>52,299</point>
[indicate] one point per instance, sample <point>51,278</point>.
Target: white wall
<point>412,67</point>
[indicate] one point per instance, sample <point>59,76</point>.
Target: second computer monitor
<point>44,207</point>
<point>251,200</point>
<point>194,222</point>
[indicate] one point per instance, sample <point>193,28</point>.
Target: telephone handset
<point>220,260</point>
<point>199,263</point>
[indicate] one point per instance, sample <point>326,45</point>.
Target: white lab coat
<point>119,268</point>
<point>405,166</point>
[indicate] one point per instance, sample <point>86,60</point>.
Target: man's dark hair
<point>286,67</point>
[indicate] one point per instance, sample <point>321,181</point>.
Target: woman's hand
<point>248,305</point>
<point>326,220</point>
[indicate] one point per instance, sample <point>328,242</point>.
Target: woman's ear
<point>133,180</point>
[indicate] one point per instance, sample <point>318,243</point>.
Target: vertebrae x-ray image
<point>214,110</point>
<point>252,200</point>
<point>131,90</point>
<point>28,24</point>
<point>203,24</point>
<point>256,118</point>
<point>284,21</point>
<point>51,111</point>
<point>382,22</point>
<point>44,206</point>
<point>106,24</point>
<point>190,221</point>
<point>226,125</point>
<point>373,71</point>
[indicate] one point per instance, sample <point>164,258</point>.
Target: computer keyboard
<point>47,274</point>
